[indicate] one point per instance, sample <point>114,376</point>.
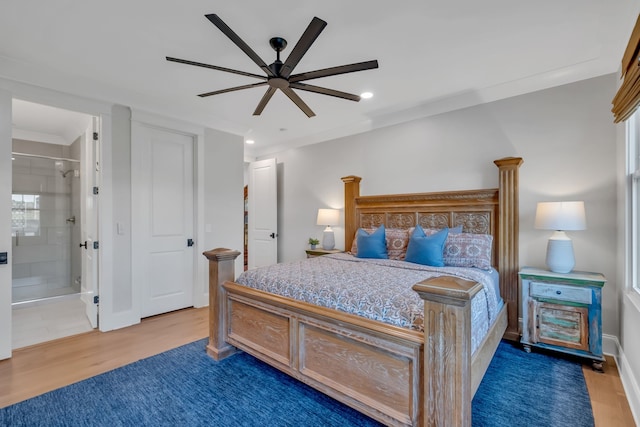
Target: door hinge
<point>96,245</point>
<point>96,299</point>
<point>95,136</point>
<point>95,190</point>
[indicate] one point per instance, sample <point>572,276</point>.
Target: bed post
<point>351,192</point>
<point>508,231</point>
<point>447,391</point>
<point>221,269</point>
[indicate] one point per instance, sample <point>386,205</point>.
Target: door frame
<point>90,177</point>
<point>10,89</point>
<point>140,118</point>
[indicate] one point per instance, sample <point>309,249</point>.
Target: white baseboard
<point>118,320</point>
<point>611,346</point>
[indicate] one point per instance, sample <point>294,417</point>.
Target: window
<point>626,108</point>
<point>25,215</point>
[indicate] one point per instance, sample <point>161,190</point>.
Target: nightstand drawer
<point>561,292</point>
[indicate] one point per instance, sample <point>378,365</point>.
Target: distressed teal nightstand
<point>563,312</point>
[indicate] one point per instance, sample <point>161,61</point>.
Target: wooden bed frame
<point>395,375</point>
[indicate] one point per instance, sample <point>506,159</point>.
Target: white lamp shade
<point>328,217</point>
<point>560,216</point>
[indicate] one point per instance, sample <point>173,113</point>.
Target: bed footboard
<point>375,370</point>
<point>397,376</point>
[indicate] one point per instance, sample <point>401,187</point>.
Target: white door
<point>89,150</point>
<point>163,219</point>
<point>263,213</point>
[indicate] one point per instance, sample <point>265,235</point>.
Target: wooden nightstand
<point>311,253</point>
<point>563,312</point>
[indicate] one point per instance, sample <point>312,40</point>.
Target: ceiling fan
<point>278,74</point>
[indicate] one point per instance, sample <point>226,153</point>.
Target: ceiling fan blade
<point>232,89</point>
<point>325,91</point>
<point>265,99</point>
<point>215,67</point>
<point>215,20</point>
<point>341,69</point>
<point>308,37</point>
<point>298,101</point>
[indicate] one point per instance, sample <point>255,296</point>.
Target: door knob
<point>273,235</point>
<point>84,244</point>
<point>190,242</point>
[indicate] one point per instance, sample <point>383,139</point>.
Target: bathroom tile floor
<point>47,320</point>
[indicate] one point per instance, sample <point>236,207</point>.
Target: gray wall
<point>224,193</point>
<point>122,289</point>
<point>565,135</point>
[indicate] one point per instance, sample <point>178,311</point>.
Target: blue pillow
<point>372,245</point>
<point>426,250</point>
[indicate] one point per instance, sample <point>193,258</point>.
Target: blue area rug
<point>532,389</point>
<point>184,387</point>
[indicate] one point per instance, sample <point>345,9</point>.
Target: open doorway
<point>52,166</point>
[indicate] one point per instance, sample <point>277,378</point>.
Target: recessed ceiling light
<point>366,95</point>
<point>249,141</point>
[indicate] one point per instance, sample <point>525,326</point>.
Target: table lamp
<point>561,217</point>
<point>328,217</point>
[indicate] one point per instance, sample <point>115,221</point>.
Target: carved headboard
<point>475,210</point>
<point>488,211</point>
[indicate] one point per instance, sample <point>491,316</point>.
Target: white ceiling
<point>43,123</point>
<point>434,56</point>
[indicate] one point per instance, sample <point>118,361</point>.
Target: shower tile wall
<point>42,263</point>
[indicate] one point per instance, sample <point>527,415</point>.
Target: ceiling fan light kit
<point>279,74</point>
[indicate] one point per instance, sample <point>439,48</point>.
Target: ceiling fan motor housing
<point>278,44</point>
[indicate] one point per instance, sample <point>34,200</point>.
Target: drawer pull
<point>558,292</point>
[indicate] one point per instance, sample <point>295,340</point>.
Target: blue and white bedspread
<point>378,289</point>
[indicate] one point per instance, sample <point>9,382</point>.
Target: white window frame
<point>633,173</point>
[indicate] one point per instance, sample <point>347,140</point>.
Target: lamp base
<point>560,258</point>
<point>328,239</point>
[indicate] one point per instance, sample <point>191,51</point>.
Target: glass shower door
<point>44,224</point>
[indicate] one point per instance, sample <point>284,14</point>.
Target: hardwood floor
<point>44,367</point>
<point>608,399</point>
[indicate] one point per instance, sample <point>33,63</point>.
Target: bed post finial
<point>508,240</point>
<point>351,192</point>
<point>221,269</point>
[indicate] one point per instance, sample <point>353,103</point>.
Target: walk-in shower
<point>45,227</point>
